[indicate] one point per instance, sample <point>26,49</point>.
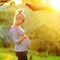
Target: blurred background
<point>42,26</point>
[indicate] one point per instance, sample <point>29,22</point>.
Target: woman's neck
<point>15,25</point>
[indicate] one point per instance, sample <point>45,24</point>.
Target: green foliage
<point>4,36</point>
<point>43,27</point>
<point>5,54</point>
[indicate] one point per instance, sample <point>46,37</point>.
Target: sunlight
<point>9,57</point>
<point>55,4</point>
<point>17,2</point>
<point>44,1</point>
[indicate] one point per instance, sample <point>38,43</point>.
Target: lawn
<point>6,55</point>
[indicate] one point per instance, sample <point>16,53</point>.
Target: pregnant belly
<point>26,42</point>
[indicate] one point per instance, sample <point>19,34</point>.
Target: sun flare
<point>55,4</point>
<point>17,2</point>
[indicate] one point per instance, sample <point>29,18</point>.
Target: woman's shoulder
<point>12,29</point>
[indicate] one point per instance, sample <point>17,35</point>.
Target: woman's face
<point>20,20</point>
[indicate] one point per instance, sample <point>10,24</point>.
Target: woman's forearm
<point>22,38</point>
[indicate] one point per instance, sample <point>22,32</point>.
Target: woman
<point>20,39</point>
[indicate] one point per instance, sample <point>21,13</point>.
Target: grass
<point>6,55</point>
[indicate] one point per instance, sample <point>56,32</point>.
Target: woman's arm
<point>22,38</point>
<point>16,40</point>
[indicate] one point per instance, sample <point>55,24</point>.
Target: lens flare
<point>55,4</point>
<point>17,2</point>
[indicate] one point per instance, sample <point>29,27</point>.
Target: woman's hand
<point>25,36</point>
<point>22,38</point>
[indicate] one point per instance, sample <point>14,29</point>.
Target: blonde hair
<point>18,14</point>
<point>19,11</point>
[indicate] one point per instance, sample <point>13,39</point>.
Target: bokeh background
<point>42,26</point>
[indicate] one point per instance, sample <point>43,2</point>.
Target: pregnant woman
<point>21,41</point>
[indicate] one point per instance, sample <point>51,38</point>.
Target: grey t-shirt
<point>17,33</point>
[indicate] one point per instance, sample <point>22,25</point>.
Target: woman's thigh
<point>22,55</point>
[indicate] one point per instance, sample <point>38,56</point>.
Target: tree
<point>35,8</point>
<point>3,1</point>
<point>5,39</point>
<point>37,5</point>
<point>12,3</point>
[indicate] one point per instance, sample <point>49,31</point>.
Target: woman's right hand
<point>25,36</point>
